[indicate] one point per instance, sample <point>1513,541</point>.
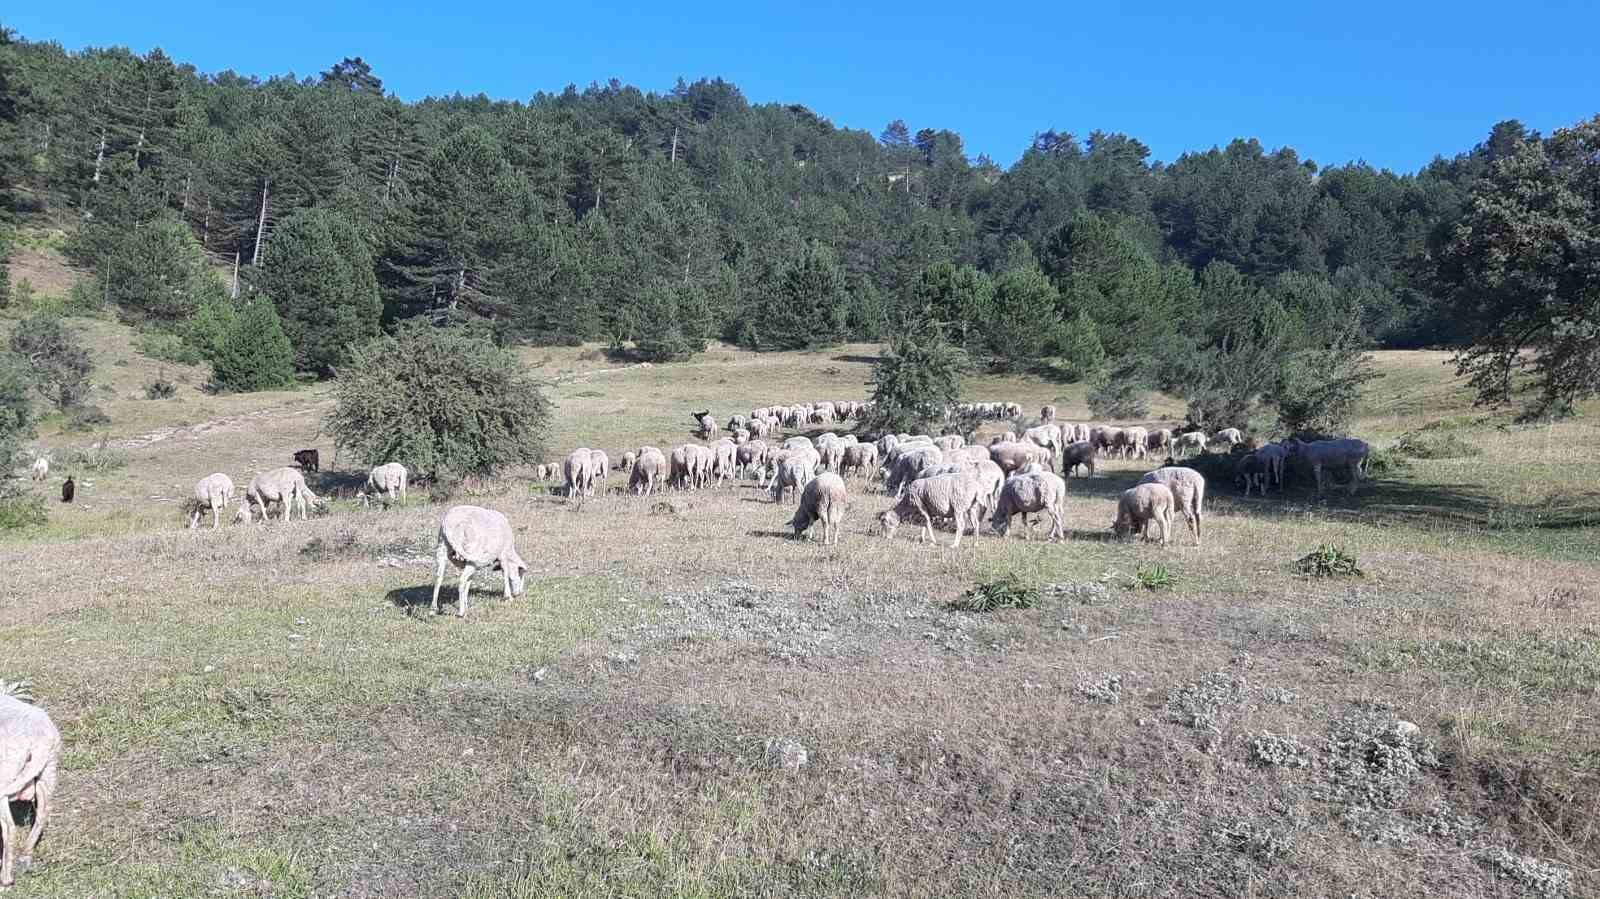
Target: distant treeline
<point>617,214</point>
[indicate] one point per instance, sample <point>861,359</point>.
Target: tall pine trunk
<point>261,226</point>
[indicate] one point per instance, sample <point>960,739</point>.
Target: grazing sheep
<point>1134,442</point>
<point>953,495</point>
<point>832,454</point>
<point>724,459</point>
<point>1253,471</point>
<point>601,463</point>
<point>40,469</point>
<point>308,460</point>
<point>747,456</point>
<point>990,481</point>
<point>1106,438</point>
<point>1347,453</point>
<point>1141,506</point>
<point>577,472</point>
<point>793,471</point>
<point>1047,436</point>
<point>950,442</point>
<point>471,538</point>
<point>908,464</point>
<point>1047,414</point>
<point>1183,443</point>
<point>649,469</point>
<point>1230,436</point>
<point>1273,455</point>
<point>280,485</point>
<point>214,492</point>
<point>30,751</point>
<point>1005,437</point>
<point>680,472</point>
<point>707,426</point>
<point>1012,456</point>
<point>1188,493</point>
<point>628,458</point>
<point>1076,454</point>
<point>390,477</point>
<point>1158,441</point>
<point>69,489</point>
<point>860,458</point>
<point>1022,494</point>
<point>823,500</point>
<point>703,460</point>
<point>970,453</point>
<point>1013,410</point>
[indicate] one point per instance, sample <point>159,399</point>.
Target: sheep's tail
<point>32,767</point>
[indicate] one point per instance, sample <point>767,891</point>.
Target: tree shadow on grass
<point>864,360</point>
<point>339,484</point>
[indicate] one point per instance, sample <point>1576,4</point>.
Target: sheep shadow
<point>335,483</point>
<point>786,535</point>
<point>848,357</point>
<point>409,599</point>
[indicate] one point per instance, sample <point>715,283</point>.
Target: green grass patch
<point>1437,443</point>
<point>1007,592</point>
<point>1328,560</point>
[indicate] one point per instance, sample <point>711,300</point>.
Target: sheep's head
<point>889,521</point>
<point>21,690</point>
<point>244,514</point>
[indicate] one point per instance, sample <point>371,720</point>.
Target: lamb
<point>213,492</point>
<point>40,469</point>
<point>577,472</point>
<point>823,500</point>
<point>1141,506</point>
<point>30,751</point>
<point>1188,493</point>
<point>280,485</point>
<point>1194,440</point>
<point>1034,492</point>
<point>69,489</point>
<point>952,496</point>
<point>1076,454</point>
<point>1012,456</point>
<point>390,477</point>
<point>1347,453</point>
<point>471,538</point>
<point>649,469</point>
<point>600,463</point>
<point>1230,436</point>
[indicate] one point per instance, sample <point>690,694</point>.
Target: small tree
<point>156,271</point>
<point>1022,318</point>
<point>1077,343</point>
<point>60,365</point>
<point>1118,394</point>
<point>809,308</point>
<point>917,381</point>
<point>1318,389</point>
<point>441,401</point>
<point>254,354</point>
<point>16,412</point>
<point>670,323</point>
<point>318,273</point>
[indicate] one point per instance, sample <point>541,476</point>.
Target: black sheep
<point>68,489</point>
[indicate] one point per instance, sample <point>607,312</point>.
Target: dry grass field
<point>270,711</point>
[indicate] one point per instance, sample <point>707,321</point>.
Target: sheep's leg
<point>467,571</point>
<point>43,789</point>
<point>8,836</point>
<point>442,555</point>
<point>214,516</point>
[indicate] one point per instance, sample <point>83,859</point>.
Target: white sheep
<point>1272,456</point>
<point>649,470</point>
<point>1347,453</point>
<point>1134,442</point>
<point>1142,506</point>
<point>628,458</point>
<point>1039,491</point>
<point>1183,443</point>
<point>214,492</point>
<point>1230,436</point>
<point>1159,440</point>
<point>1047,414</point>
<point>823,500</point>
<point>470,538</point>
<point>577,472</point>
<point>953,496</point>
<point>793,469</point>
<point>1013,455</point>
<point>1188,493</point>
<point>280,485</point>
<point>860,457</point>
<point>40,469</point>
<point>30,751</point>
<point>390,478</point>
<point>600,464</point>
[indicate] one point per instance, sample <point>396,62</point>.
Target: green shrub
<point>24,511</point>
<point>95,459</point>
<point>1009,592</point>
<point>1436,444</point>
<point>1117,396</point>
<point>1385,462</point>
<point>1328,560</point>
<point>254,354</point>
<point>59,363</point>
<point>168,348</point>
<point>86,418</point>
<point>443,401</point>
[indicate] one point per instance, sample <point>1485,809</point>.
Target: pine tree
<point>916,382</point>
<point>157,273</point>
<point>318,274</point>
<point>1022,319</point>
<point>809,308</point>
<point>255,355</point>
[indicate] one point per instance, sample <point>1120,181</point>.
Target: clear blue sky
<point>1392,83</point>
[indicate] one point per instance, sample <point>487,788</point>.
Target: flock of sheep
<point>930,479</point>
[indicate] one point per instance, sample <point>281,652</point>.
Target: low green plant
<point>161,388</point>
<point>168,348</point>
<point>1436,444</point>
<point>1384,462</point>
<point>1328,560</point>
<point>1154,577</point>
<point>1008,592</point>
<point>98,458</point>
<point>87,418</point>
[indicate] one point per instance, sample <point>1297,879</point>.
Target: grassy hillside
<point>271,710</point>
